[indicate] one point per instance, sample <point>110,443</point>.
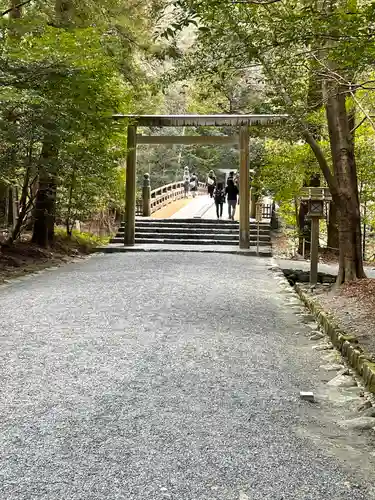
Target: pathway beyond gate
<point>169,376</point>
<point>198,207</point>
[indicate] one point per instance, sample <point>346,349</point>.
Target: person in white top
<point>194,184</point>
<point>186,181</point>
<point>211,183</point>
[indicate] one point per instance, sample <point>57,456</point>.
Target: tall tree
<point>66,68</point>
<point>289,41</point>
<point>45,203</point>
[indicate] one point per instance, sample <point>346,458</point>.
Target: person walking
<point>211,183</point>
<point>186,181</point>
<point>219,197</point>
<point>194,184</point>
<point>232,193</point>
<point>236,181</point>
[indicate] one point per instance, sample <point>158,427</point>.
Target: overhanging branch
<point>254,2</point>
<point>15,7</point>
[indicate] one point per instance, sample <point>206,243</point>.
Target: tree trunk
<point>68,222</point>
<point>64,11</point>
<point>24,208</point>
<point>332,228</point>
<point>350,255</point>
<point>45,203</point>
<point>345,188</point>
<point>343,182</point>
<point>304,228</point>
<point>16,12</point>
<point>296,215</point>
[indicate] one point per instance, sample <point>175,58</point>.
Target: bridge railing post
<point>146,196</point>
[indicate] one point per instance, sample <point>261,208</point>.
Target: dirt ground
<point>285,246</point>
<point>24,258</point>
<point>282,245</point>
<point>353,307</point>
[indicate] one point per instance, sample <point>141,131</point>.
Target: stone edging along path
<point>346,343</point>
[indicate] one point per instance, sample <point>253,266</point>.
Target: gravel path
<point>167,376</point>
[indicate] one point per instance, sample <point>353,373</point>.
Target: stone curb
<point>347,344</point>
<point>181,249</point>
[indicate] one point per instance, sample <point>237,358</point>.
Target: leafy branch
<point>15,7</point>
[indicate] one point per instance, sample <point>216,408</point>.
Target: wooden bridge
<point>192,226</point>
<point>152,201</point>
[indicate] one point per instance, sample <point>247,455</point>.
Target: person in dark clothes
<point>232,193</point>
<point>211,183</point>
<point>219,197</point>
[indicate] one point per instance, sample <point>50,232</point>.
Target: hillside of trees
<point>315,61</point>
<point>67,66</point>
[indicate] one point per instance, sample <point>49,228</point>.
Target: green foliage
<point>288,46</point>
<point>287,213</point>
<point>223,92</point>
<point>83,242</point>
<point>287,166</point>
<point>63,77</point>
<point>365,154</point>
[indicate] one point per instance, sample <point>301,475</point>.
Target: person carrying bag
<point>219,197</point>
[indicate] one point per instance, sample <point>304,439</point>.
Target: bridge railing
<point>158,198</point>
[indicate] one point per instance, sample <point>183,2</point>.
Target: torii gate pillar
<point>244,189</point>
<point>131,159</point>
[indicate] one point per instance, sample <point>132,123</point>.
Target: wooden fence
<point>266,211</point>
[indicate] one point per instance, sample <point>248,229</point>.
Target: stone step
<point>222,249</point>
<point>199,236</point>
<point>216,225</point>
<point>187,221</point>
<point>188,241</point>
<point>147,220</point>
<point>195,230</point>
<point>190,232</point>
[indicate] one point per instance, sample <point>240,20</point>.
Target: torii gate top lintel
<point>199,120</point>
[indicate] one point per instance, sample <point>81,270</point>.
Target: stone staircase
<point>195,232</point>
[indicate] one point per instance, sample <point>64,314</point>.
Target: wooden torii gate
<point>242,139</point>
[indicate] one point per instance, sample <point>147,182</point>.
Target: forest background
<point>67,66</point>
